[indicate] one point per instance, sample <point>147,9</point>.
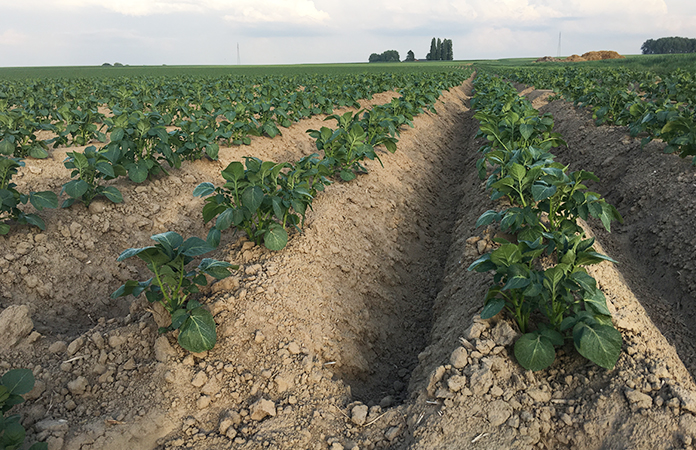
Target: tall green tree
<point>447,53</point>
<point>410,56</point>
<point>438,50</point>
<point>433,50</point>
<point>668,45</point>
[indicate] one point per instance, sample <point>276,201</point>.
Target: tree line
<point>440,50</point>
<point>668,45</point>
<point>388,56</point>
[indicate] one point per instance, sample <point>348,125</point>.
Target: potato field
<point>424,256</point>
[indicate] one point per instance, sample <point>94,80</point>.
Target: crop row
<point>539,266</point>
<point>139,145</point>
<point>206,112</point>
<point>659,107</point>
<point>262,198</point>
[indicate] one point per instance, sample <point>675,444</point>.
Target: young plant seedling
<point>90,167</point>
<point>173,285</point>
<point>10,198</point>
<point>13,385</point>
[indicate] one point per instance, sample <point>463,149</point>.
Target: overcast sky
<point>195,32</point>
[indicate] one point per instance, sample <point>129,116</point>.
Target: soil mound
<point>547,59</point>
<point>589,56</point>
<point>575,58</point>
<point>600,55</point>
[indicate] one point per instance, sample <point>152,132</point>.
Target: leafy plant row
<point>539,274</point>
<point>661,107</point>
<point>206,112</point>
<point>264,199</point>
<point>140,146</point>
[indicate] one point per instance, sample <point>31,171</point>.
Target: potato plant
<point>18,135</point>
<point>78,127</point>
<point>541,273</point>
<point>11,199</point>
<point>173,285</point>
<point>346,147</point>
<point>13,385</point>
<point>90,167</point>
<point>262,199</point>
<point>140,143</point>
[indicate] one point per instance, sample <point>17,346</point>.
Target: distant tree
<point>433,50</point>
<point>410,56</point>
<point>391,56</point>
<point>106,65</point>
<point>440,50</point>
<point>118,64</point>
<point>447,53</point>
<point>668,45</point>
<point>387,56</point>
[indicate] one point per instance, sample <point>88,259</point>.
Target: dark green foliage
<point>90,168</point>
<point>10,198</point>
<point>668,45</point>
<point>542,271</point>
<point>440,50</point>
<point>13,385</point>
<point>387,56</point>
<point>173,284</point>
<point>432,54</point>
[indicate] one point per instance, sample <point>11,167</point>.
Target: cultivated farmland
<point>349,319</point>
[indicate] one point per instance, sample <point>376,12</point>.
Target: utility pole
<point>559,45</point>
<point>239,60</point>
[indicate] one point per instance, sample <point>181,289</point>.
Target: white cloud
<point>285,31</point>
<point>275,11</point>
<point>247,11</point>
<point>12,37</point>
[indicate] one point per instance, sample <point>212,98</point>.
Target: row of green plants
<point>660,107</point>
<point>263,199</point>
<point>206,112</point>
<point>539,274</point>
<point>140,147</point>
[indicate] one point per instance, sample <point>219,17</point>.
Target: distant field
<point>656,63</point>
<point>661,64</point>
<point>296,69</point>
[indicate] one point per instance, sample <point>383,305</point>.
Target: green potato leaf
<point>534,351</point>
<point>275,238</point>
<point>197,334</point>
<point>599,343</point>
<point>18,381</point>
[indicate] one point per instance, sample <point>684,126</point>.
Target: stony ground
<point>363,332</point>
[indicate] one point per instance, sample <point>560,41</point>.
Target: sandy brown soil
<point>363,332</point>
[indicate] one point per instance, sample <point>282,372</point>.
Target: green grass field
<point>655,63</point>
<point>660,64</point>
<point>134,71</point>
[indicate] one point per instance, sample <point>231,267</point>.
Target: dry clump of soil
<point>361,334</point>
<point>589,56</point>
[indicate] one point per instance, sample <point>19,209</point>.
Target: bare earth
<point>362,333</point>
